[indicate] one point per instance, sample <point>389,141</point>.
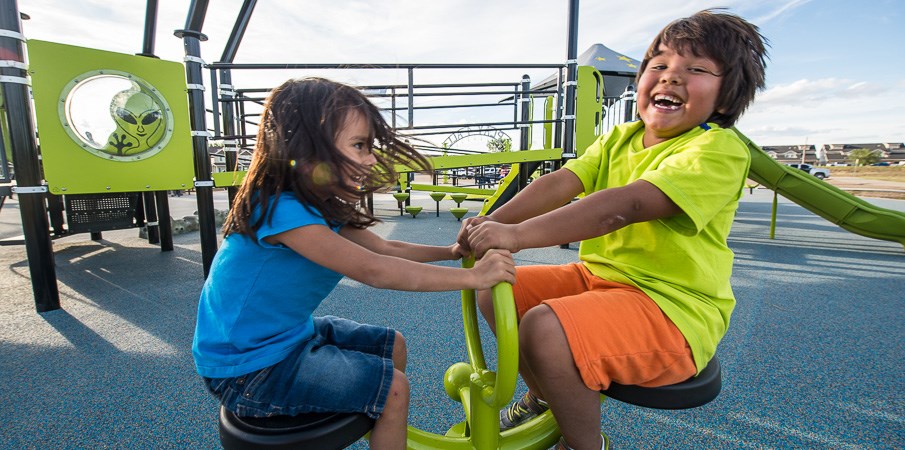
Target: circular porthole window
<point>116,115</point>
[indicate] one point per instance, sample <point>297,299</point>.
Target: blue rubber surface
<point>813,358</point>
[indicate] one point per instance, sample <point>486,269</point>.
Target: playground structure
<point>572,120</point>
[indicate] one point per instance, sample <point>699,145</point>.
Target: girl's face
<point>676,93</point>
<point>354,140</point>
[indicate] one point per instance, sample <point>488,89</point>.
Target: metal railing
<point>416,110</point>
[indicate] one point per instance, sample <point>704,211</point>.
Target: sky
<point>836,72</point>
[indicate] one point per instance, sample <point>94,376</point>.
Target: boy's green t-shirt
<point>683,262</point>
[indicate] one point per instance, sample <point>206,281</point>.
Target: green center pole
<point>484,392</point>
<point>773,215</point>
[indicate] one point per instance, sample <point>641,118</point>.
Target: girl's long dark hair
<point>296,152</point>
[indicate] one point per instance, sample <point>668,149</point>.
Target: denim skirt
<point>345,367</point>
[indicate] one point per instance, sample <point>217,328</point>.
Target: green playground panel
<point>489,159</point>
<point>451,189</point>
<point>4,135</point>
<point>588,107</point>
<point>156,160</point>
<point>227,179</point>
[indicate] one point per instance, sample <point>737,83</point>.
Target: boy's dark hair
<point>734,43</point>
<point>296,152</point>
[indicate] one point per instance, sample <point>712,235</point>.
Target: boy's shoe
<point>527,408</point>
<point>561,445</point>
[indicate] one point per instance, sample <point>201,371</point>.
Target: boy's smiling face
<point>676,93</point>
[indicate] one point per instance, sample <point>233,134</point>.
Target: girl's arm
<point>407,250</point>
<point>333,251</point>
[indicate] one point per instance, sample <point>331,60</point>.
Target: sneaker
<point>561,445</point>
<point>527,408</point>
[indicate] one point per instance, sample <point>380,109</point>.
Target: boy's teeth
<point>667,102</point>
<point>668,98</point>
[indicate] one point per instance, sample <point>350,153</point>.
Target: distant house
<point>891,152</point>
<point>832,154</point>
<point>791,153</point>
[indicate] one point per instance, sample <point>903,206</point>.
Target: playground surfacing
<point>813,357</point>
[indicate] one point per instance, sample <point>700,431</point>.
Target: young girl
<point>294,231</point>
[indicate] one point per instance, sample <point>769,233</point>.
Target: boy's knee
<point>485,305</point>
<point>539,328</point>
<point>539,318</point>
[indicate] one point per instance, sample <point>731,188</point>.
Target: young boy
<point>650,299</point>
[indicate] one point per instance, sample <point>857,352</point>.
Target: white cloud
<point>828,110</point>
<point>814,92</point>
<point>481,31</point>
<point>780,10</point>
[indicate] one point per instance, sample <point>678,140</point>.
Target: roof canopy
<point>617,69</point>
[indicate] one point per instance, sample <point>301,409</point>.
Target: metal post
<point>230,146</point>
<point>773,215</point>
<point>557,130</point>
<point>524,98</point>
<point>568,150</point>
<point>150,215</point>
<point>204,185</point>
<point>166,231</point>
<point>148,199</point>
<point>238,31</point>
<point>628,102</point>
<point>411,99</point>
<point>228,109</point>
<point>26,163</point>
<point>393,108</point>
<point>150,29</point>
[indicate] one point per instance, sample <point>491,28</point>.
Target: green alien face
<point>139,123</point>
<point>116,115</point>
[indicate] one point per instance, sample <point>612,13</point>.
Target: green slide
<point>827,201</point>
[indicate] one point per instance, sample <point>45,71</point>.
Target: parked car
<point>817,172</point>
<point>881,163</point>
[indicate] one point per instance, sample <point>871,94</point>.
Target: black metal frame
<point>229,109</point>
<point>33,197</point>
<point>42,212</point>
<point>26,163</point>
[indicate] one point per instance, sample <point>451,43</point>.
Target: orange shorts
<point>616,332</point>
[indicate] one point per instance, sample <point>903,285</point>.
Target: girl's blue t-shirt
<point>257,302</point>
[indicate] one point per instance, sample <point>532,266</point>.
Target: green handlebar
<point>503,388</point>
<point>483,392</point>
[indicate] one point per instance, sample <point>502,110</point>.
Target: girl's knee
<point>400,352</point>
<point>398,397</point>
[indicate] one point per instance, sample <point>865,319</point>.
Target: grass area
<point>883,173</point>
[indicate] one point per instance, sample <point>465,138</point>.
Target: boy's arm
<point>328,249</point>
<point>401,249</point>
<point>543,195</point>
<point>595,215</point>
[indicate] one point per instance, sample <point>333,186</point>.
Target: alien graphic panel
<point>138,123</point>
<point>110,122</point>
